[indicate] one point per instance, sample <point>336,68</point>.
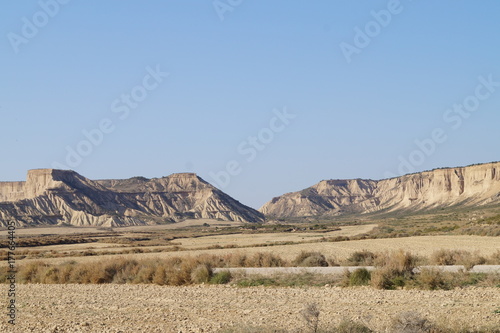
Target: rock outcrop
<point>440,188</point>
<point>51,197</point>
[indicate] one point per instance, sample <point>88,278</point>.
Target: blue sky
<point>67,68</point>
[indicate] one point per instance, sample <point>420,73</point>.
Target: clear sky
<point>258,98</point>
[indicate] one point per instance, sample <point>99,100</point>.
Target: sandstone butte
<point>474,185</point>
<point>55,197</point>
<point>58,197</point>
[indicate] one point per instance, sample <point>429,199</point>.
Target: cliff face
<point>473,185</point>
<point>55,197</point>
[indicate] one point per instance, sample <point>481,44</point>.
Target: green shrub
<point>257,281</point>
<point>360,277</point>
<point>222,277</point>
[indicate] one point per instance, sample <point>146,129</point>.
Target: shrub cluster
<point>457,257</point>
<point>310,259</point>
<point>173,271</point>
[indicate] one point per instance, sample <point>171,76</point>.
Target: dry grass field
<point>244,240</point>
<point>422,246</point>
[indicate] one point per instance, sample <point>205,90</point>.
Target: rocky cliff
<point>64,197</point>
<point>472,185</point>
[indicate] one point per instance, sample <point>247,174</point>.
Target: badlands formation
<point>57,197</point>
<point>52,197</point>
<point>441,188</point>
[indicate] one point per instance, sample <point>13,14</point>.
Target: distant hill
<point>54,197</point>
<point>466,186</point>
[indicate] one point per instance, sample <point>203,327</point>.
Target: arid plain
<point>233,307</point>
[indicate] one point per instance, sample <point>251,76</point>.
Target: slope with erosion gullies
<point>50,197</point>
<point>465,186</point>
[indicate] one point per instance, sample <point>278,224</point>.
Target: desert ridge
<point>55,197</point>
<point>474,185</point>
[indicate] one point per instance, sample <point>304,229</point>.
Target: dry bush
<point>160,276</point>
<point>201,274</point>
<point>361,258</point>
<point>265,259</point>
<point>310,259</point>
<point>393,269</point>
<point>457,257</point>
<point>333,262</point>
<point>494,259</point>
<point>400,261</point>
<point>432,279</point>
<point>411,322</point>
<point>311,315</point>
<point>32,272</point>
<point>235,260</point>
<point>348,326</point>
<point>172,271</point>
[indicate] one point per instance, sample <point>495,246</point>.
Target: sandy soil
<point>150,308</point>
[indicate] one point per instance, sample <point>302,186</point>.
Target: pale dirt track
<point>150,308</point>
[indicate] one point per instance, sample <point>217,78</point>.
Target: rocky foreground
<point>151,308</point>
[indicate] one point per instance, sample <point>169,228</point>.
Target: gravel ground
<point>151,308</point>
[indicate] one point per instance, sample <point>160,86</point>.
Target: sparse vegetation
<point>411,322</point>
<point>457,257</point>
<point>393,270</point>
<point>311,316</point>
<point>310,259</point>
<point>360,277</point>
<point>361,258</point>
<point>222,277</point>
